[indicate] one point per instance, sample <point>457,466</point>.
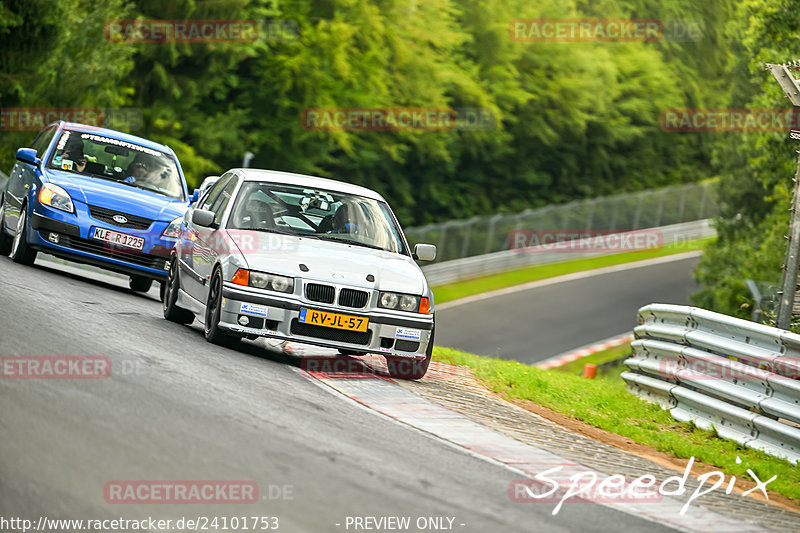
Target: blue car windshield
<point>112,159</point>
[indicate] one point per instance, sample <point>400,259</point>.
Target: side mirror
<point>203,218</point>
<point>195,196</point>
<point>425,252</point>
<point>28,155</point>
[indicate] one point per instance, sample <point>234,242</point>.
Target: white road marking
<point>583,351</point>
<point>402,406</point>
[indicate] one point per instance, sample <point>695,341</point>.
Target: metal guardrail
<point>457,239</point>
<point>738,377</point>
<point>483,265</point>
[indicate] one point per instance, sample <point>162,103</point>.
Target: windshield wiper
<point>153,188</point>
<point>267,230</point>
<point>132,184</point>
<point>348,241</point>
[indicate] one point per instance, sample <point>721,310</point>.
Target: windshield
<point>128,163</point>
<point>315,213</point>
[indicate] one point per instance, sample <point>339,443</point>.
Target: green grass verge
<point>603,356</point>
<point>606,404</point>
<point>461,289</point>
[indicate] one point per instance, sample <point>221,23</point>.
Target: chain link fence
<point>457,239</point>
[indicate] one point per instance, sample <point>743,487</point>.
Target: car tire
<point>405,368</point>
<point>20,251</point>
<point>5,240</point>
<point>172,312</point>
<point>140,283</point>
<point>213,333</point>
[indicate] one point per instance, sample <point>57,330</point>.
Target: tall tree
<point>757,168</point>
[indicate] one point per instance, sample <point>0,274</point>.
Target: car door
<point>191,281</point>
<point>22,178</point>
<point>212,243</point>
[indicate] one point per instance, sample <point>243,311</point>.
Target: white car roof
<point>312,182</point>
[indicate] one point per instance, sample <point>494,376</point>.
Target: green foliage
<point>757,168</point>
<point>53,55</point>
<point>573,120</point>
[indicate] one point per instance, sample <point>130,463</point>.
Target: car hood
<point>330,262</point>
<point>117,196</point>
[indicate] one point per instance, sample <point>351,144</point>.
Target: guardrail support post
<point>791,88</point>
<point>789,283</point>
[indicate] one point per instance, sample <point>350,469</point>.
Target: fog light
<point>53,237</point>
<point>243,320</point>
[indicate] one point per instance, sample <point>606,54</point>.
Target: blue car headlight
<point>173,231</point>
<point>56,197</point>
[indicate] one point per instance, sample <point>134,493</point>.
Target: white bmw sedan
<point>273,254</point>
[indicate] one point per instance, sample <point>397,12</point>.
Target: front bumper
<point>66,235</point>
<point>277,316</point>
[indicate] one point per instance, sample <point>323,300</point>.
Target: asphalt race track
<point>535,324</point>
<point>178,408</point>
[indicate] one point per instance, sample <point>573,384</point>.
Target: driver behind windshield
<point>148,170</point>
<point>342,222</point>
<point>138,168</point>
<point>73,151</point>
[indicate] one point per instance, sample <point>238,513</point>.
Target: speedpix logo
<point>589,486</point>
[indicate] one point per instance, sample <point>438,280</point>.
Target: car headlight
<point>262,280</point>
<point>401,302</point>
<point>56,197</point>
<point>173,231</point>
<point>388,300</point>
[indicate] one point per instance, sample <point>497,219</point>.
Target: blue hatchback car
<point>95,196</point>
